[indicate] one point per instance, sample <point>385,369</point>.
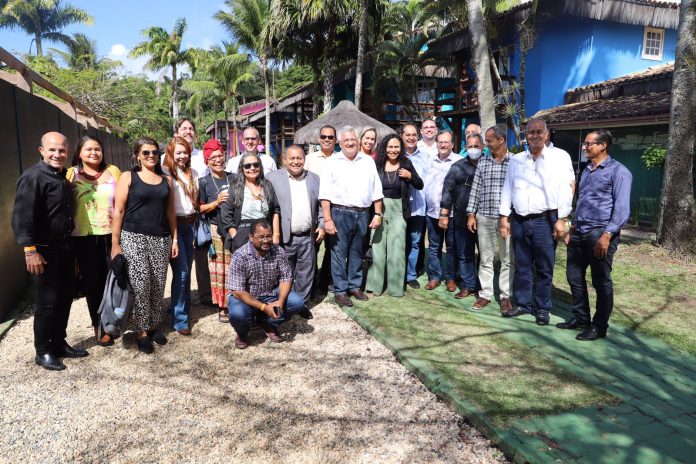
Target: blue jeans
<point>465,242</point>
<point>580,257</point>
<point>534,246</point>
<point>346,249</point>
<point>415,225</point>
<point>436,237</point>
<point>242,316</point>
<point>181,277</point>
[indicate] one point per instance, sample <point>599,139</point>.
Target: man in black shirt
<point>42,222</point>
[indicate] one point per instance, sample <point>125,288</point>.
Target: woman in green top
<point>94,188</point>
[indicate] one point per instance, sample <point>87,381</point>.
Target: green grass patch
<point>504,379</point>
<point>654,292</point>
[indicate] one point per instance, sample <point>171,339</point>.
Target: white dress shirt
<point>198,163</point>
<point>301,220</point>
<point>267,162</point>
<point>316,162</point>
<point>183,206</point>
<point>350,182</point>
<point>533,187</point>
<point>429,151</point>
<point>435,179</point>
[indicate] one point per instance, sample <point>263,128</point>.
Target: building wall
<point>571,52</point>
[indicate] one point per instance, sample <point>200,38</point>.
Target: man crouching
<point>260,280</point>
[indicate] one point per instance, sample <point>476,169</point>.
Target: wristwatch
<point>608,233</point>
<point>378,214</point>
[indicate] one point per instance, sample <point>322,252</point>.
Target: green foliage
<point>291,79</point>
<point>654,157</point>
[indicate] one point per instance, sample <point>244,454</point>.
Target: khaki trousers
<point>488,237</point>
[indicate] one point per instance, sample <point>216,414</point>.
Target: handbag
<point>203,237</point>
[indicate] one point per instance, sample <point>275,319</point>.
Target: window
<point>653,43</point>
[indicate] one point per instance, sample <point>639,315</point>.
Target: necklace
<point>218,187</point>
<point>89,177</point>
<point>390,179</point>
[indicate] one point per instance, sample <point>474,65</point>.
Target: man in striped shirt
<point>483,211</point>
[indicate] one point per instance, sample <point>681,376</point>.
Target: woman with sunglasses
<point>397,174</point>
<point>251,197</point>
<point>177,165</point>
<point>145,232</point>
<point>213,191</point>
<point>368,140</point>
<point>93,184</point>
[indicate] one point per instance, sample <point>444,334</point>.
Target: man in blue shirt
<point>602,210</point>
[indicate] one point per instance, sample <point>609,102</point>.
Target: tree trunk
<point>227,121</point>
<point>234,124</point>
<point>267,91</point>
<point>484,84</point>
<point>316,98</point>
<point>677,219</point>
<point>361,53</point>
<point>175,95</point>
<point>39,48</point>
<point>329,53</point>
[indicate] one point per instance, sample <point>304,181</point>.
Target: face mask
<point>473,153</point>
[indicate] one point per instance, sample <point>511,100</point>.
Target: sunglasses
<point>327,137</point>
<point>151,152</point>
<point>251,165</point>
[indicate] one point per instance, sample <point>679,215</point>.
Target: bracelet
<point>29,253</point>
<point>444,215</point>
<point>378,214</point>
<point>327,220</point>
<point>263,306</point>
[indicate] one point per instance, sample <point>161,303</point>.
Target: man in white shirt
<point>428,144</point>
<point>415,225</point>
<point>535,202</point>
<point>349,186</point>
<point>185,128</point>
<point>438,167</point>
<point>251,139</point>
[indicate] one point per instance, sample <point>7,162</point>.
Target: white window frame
<point>654,30</point>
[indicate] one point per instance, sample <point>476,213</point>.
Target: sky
<point>118,26</point>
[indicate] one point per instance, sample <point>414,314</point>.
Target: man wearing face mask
<point>455,197</point>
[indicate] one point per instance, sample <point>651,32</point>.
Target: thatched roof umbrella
<point>344,114</point>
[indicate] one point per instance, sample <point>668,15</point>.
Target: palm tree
<point>44,19</point>
<point>164,50</point>
<point>247,21</point>
<point>81,54</point>
<point>481,62</point>
<point>368,8</point>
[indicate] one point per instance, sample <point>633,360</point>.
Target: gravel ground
<point>331,393</point>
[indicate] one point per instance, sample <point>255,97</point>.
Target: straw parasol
<point>344,114</point>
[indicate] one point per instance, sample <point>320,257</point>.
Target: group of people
<point>254,230</point>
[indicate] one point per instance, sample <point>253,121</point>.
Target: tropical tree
<point>81,54</point>
<point>677,217</point>
<point>248,21</point>
<point>164,51</point>
<point>481,62</point>
<point>44,19</point>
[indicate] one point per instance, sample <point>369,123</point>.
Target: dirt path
<point>330,394</point>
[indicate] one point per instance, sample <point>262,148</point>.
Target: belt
<point>529,217</point>
<point>352,208</point>
<point>302,234</point>
<point>185,220</point>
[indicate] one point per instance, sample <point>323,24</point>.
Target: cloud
<point>119,52</point>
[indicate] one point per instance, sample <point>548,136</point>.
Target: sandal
<point>223,317</point>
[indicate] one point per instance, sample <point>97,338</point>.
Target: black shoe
<point>542,318</point>
<point>49,362</point>
<point>413,283</point>
<point>67,351</point>
<point>157,337</point>
<point>306,314</point>
<point>518,311</point>
<point>145,345</point>
<point>591,333</point>
<point>573,323</point>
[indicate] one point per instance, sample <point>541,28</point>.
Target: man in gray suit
<point>301,218</point>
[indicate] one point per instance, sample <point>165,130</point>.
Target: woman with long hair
<point>213,191</point>
<point>389,240</point>
<point>251,197</point>
<point>145,232</point>
<point>368,140</point>
<point>93,184</point>
<point>177,165</point>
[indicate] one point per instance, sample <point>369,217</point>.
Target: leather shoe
<point>573,323</point>
<point>480,304</point>
<point>432,285</point>
<point>357,293</point>
<point>145,345</point>
<point>343,300</point>
<point>465,293</point>
<point>157,337</point>
<point>184,331</point>
<point>306,314</point>
<point>518,311</point>
<point>240,343</point>
<point>505,305</point>
<point>591,333</point>
<point>542,317</point>
<point>413,283</point>
<point>49,362</point>
<point>272,334</point>
<point>105,340</point>
<point>451,285</point>
<point>67,351</point>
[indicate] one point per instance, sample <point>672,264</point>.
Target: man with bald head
<point>42,222</point>
<point>251,139</point>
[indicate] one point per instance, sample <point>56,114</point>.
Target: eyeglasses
<point>250,139</point>
<point>535,132</point>
<point>327,137</point>
<point>263,238</point>
<point>251,165</point>
<point>587,144</point>
<point>150,152</point>
<point>216,157</point>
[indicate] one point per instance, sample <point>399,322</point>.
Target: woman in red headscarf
<point>213,191</point>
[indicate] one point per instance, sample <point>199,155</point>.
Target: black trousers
<point>580,257</point>
<point>54,294</point>
<point>322,277</point>
<point>93,254</point>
